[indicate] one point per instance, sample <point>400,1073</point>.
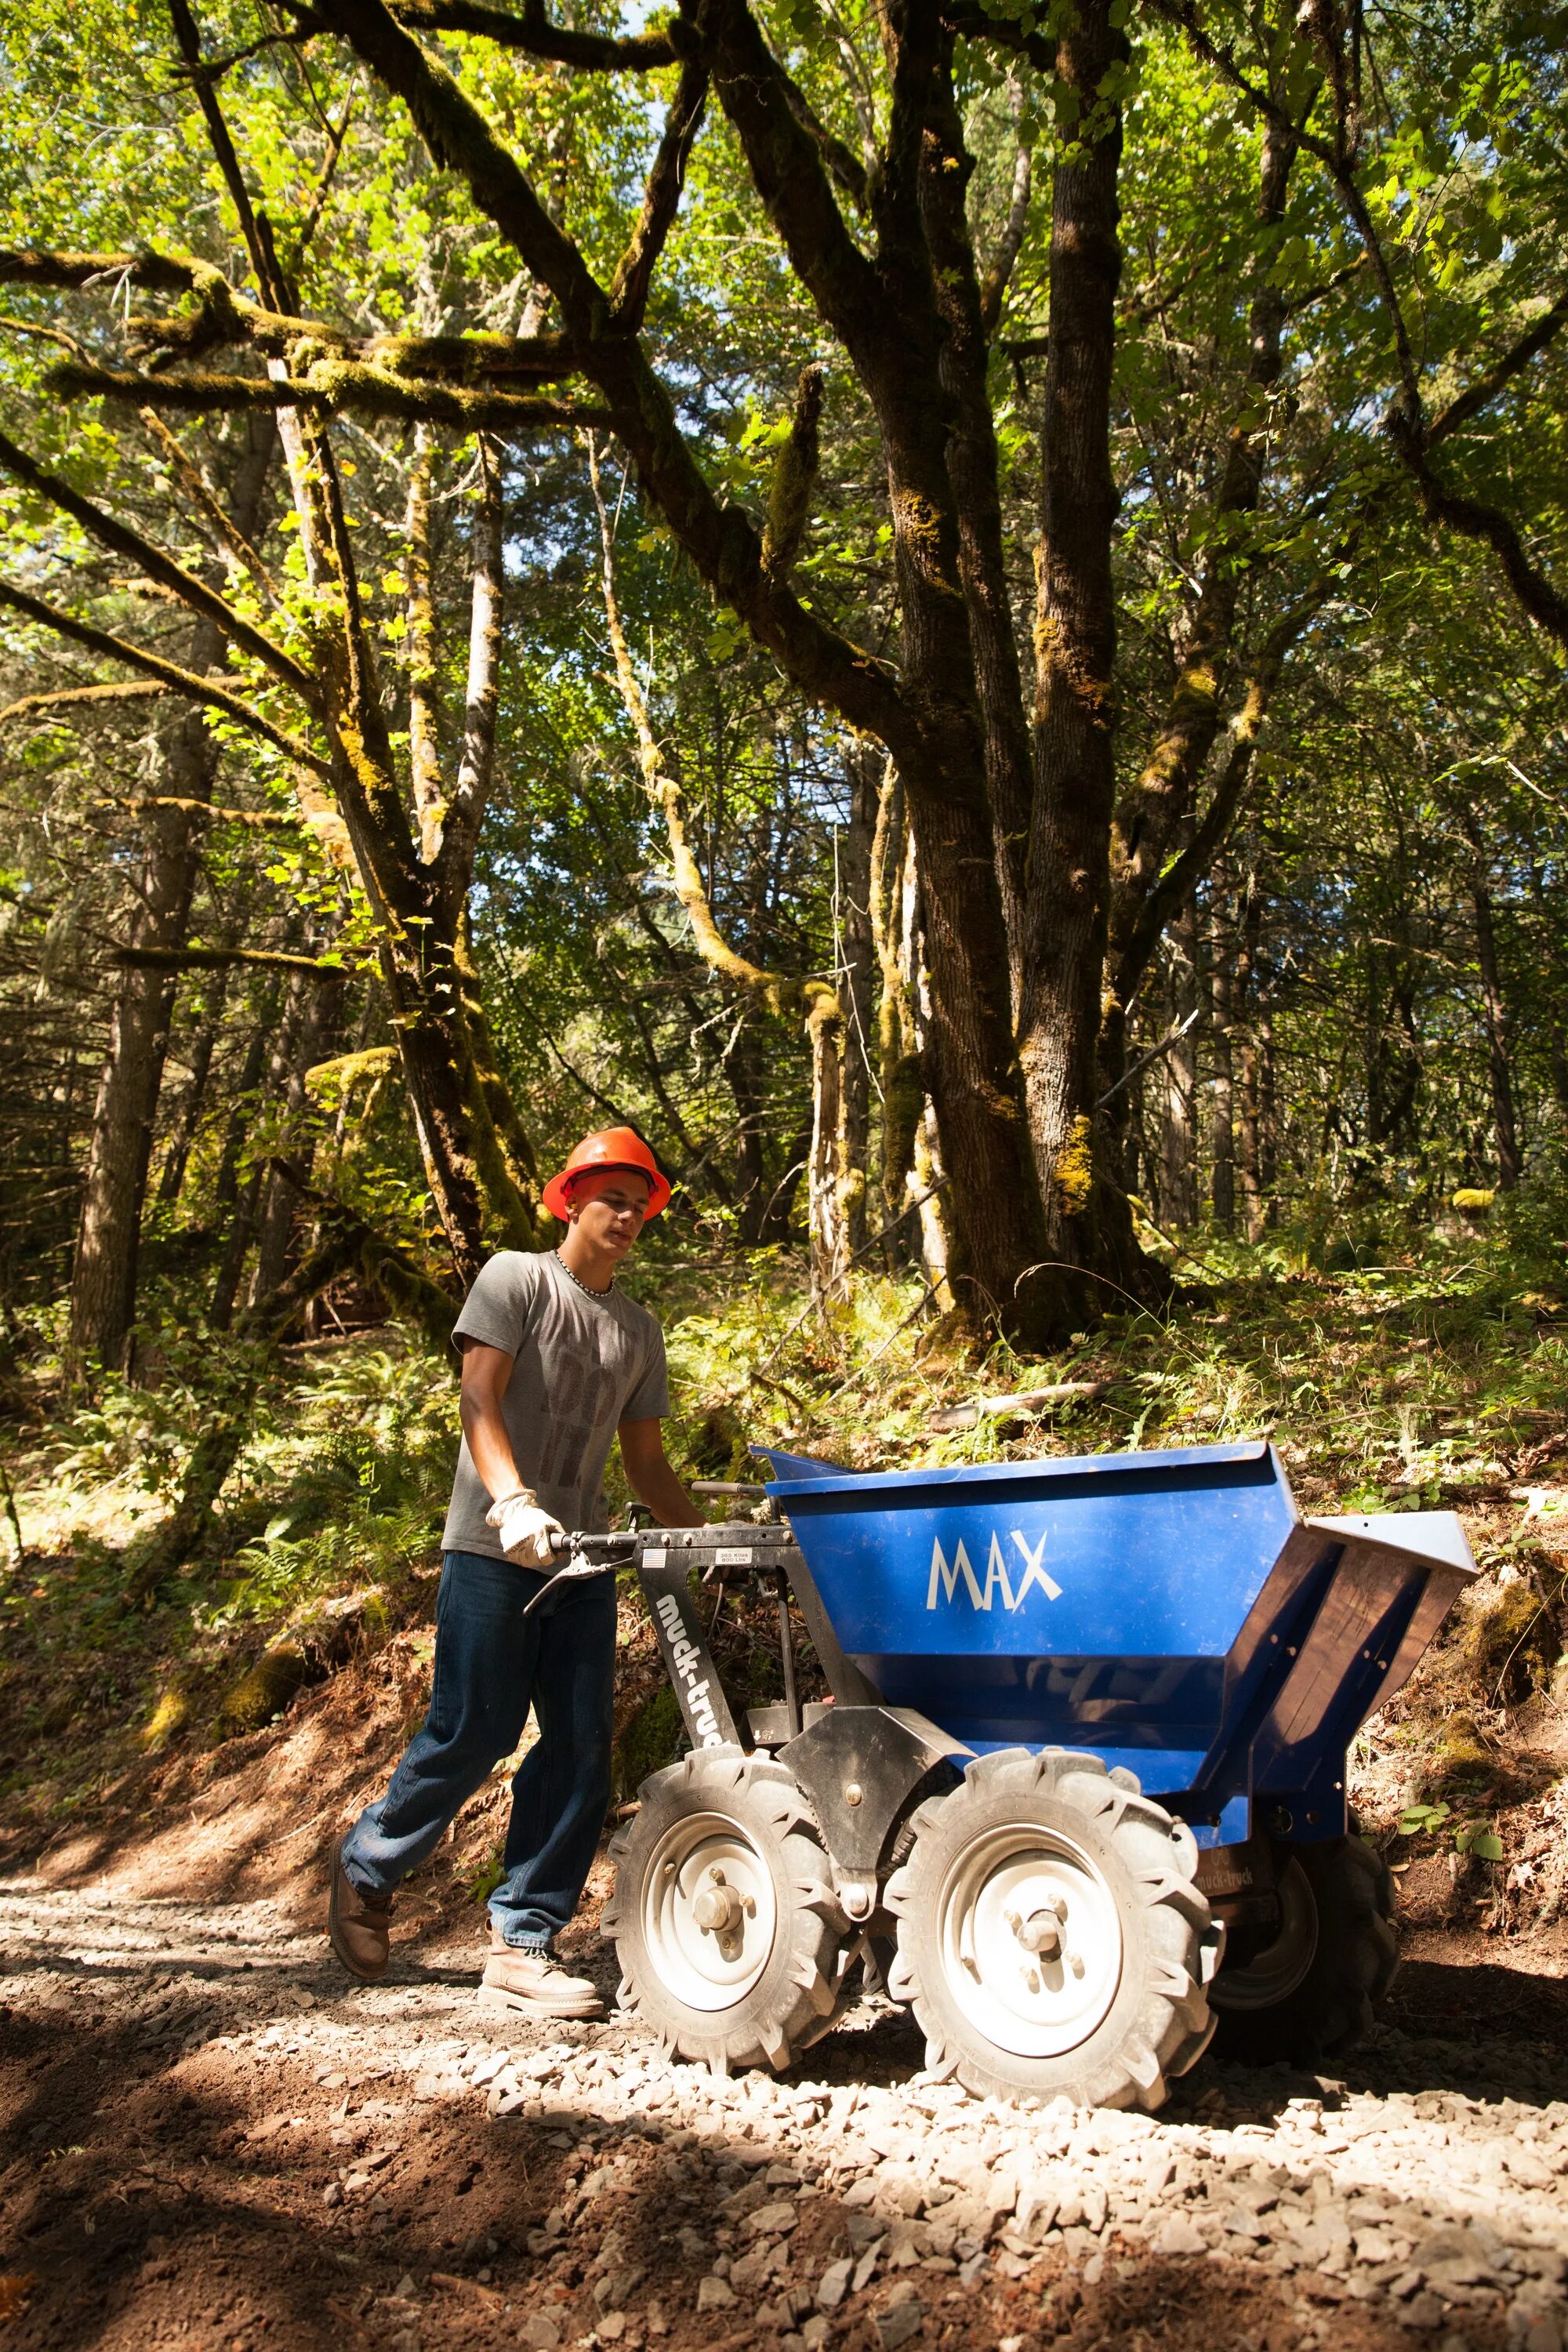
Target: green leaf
<point>1416,1820</point>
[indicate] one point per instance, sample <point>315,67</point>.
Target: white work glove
<point>524,1529</point>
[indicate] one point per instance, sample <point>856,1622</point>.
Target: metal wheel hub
<point>710,1916</point>
<point>1030,1939</point>
<point>1273,1973</point>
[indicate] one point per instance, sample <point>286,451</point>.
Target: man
<point>557,1362</point>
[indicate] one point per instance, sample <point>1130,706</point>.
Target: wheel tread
<point>1335,2006</point>
<point>794,2004</point>
<point>1169,2026</point>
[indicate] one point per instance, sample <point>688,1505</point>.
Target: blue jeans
<point>491,1664</point>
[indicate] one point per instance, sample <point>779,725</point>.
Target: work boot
<point>359,1925</point>
<point>517,1977</point>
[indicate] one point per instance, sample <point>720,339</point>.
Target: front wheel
<point>722,1913</point>
<point>1308,1984</point>
<point>1051,1938</point>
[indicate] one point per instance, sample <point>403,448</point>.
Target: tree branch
<point>721,542</point>
<point>633,274</point>
<point>193,593</point>
<point>843,165</point>
<point>219,959</point>
<point>170,675</point>
<point>972,20</point>
<point>254,226</point>
<point>787,168</point>
<point>258,820</point>
<point>1474,519</point>
<point>1336,160</point>
<point>1469,404</point>
<point>229,536</point>
<point>993,286</point>
<point>1187,871</point>
<point>67,695</point>
<point>332,386</point>
<point>75,272</point>
<point>533,33</point>
<point>793,478</point>
<point>664,791</point>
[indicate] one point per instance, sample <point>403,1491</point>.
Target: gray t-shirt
<point>583,1365</point>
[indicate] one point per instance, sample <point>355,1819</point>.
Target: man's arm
<point>486,1371</point>
<point>650,1477</point>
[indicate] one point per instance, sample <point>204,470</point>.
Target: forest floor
<point>216,2141</point>
<point>211,2140</point>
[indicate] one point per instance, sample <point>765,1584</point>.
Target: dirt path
<point>212,2142</point>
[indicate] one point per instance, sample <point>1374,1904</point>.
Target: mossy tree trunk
<point>114,1181</point>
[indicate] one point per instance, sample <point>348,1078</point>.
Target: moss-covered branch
<point>67,698</point>
<point>170,675</point>
<point>332,386</point>
<point>219,959</point>
<point>194,593</point>
<point>661,202</point>
<point>221,525</point>
<point>794,481</point>
<point>722,543</point>
<point>531,31</point>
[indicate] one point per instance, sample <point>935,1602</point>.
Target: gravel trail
<point>211,2141</point>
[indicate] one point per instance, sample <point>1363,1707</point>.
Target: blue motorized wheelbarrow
<point>1078,1792</point>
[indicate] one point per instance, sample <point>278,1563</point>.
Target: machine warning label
<point>945,1579</point>
<point>684,1657</point>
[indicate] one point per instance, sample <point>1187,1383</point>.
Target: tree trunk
<point>927,1180</point>
<point>279,1055</point>
<point>856,957</point>
<point>829,1237</point>
<point>1178,1191</point>
<point>225,1188</point>
<point>1089,1223</point>
<point>177,1157</point>
<point>114,1183</point>
<point>1557,1045</point>
<point>1250,1156</point>
<point>893,898</point>
<point>1267,1116</point>
<point>103,1277</point>
<point>274,1231</point>
<point>1505,1126</point>
<point>1222,1130</point>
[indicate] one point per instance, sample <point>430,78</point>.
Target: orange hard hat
<point>613,1147</point>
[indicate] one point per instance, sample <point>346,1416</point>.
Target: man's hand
<point>650,1477</point>
<point>524,1529</point>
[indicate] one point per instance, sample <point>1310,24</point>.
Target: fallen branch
<point>1021,1407</point>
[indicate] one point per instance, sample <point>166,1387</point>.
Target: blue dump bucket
<point>1169,1612</point>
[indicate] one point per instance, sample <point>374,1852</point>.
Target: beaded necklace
<point>587,1288</point>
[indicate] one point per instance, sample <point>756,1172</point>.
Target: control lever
<point>580,1562</point>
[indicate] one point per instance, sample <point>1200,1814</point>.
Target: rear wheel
<point>722,1913</point>
<point>1308,1983</point>
<point>1051,1938</point>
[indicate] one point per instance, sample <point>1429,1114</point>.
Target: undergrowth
<point>1418,1375</point>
